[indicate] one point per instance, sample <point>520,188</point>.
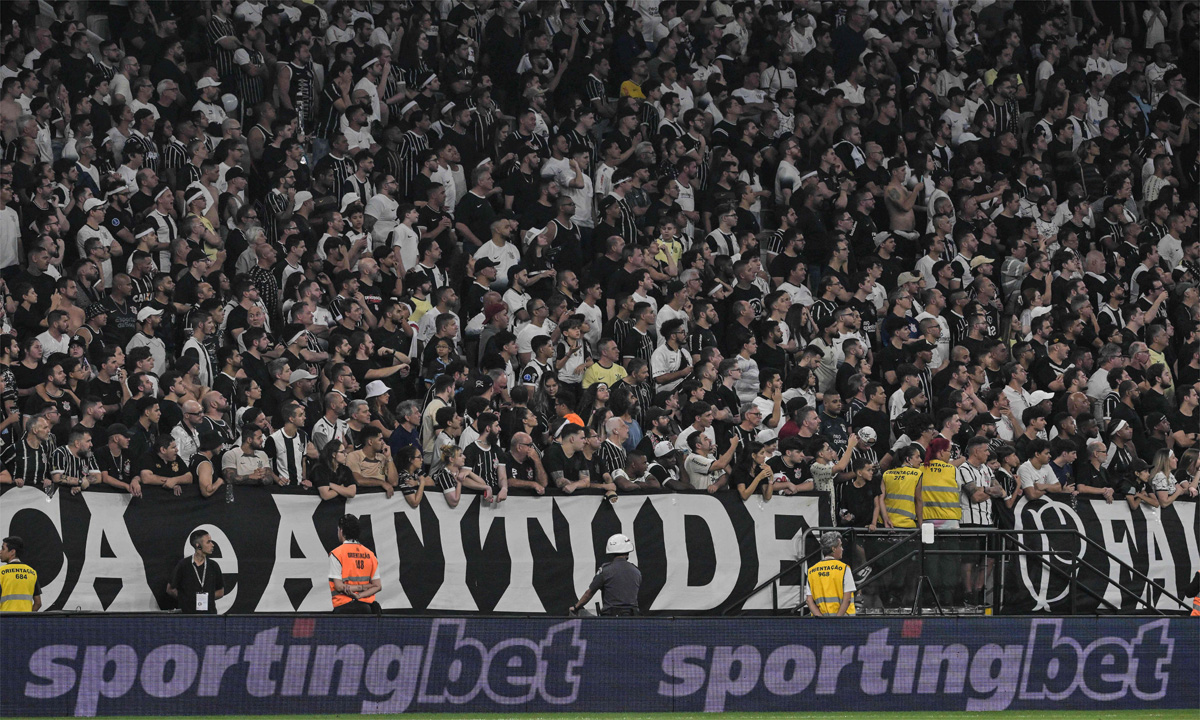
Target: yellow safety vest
<point>18,583</point>
<point>825,582</point>
<point>940,492</point>
<point>900,495</point>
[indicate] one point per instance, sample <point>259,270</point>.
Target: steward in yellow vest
<point>940,492</point>
<point>902,490</point>
<point>19,588</point>
<point>830,583</point>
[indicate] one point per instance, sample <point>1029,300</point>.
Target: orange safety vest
<point>1196,607</point>
<point>358,567</point>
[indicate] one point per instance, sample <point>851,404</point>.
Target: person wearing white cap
<point>148,320</point>
<point>209,102</point>
<point>93,211</point>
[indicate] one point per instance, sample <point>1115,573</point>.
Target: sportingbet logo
<point>451,667</point>
<point>1047,667</point>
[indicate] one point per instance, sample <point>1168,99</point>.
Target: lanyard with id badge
<point>201,597</point>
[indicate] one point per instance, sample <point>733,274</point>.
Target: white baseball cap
<point>298,375</point>
<point>301,197</point>
<point>148,312</point>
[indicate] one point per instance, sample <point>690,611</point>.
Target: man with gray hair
<point>408,432</point>
<point>829,591</point>
<point>611,452</point>
<point>358,417</point>
<point>1109,358</point>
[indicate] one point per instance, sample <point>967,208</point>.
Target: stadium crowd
<point>494,247</point>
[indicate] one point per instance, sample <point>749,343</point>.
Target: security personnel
<point>942,508</point>
<point>619,579</point>
<point>19,588</point>
<point>902,490</point>
<point>353,572</point>
<point>831,586</point>
<point>902,500</point>
<point>939,482</point>
<point>197,582</point>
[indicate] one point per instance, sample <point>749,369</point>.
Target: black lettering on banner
<point>99,551</point>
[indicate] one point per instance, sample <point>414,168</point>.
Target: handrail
<point>1009,535</point>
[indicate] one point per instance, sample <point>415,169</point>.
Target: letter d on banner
<point>676,593</point>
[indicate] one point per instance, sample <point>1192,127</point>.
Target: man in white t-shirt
<point>500,251</point>
<point>248,464</point>
<point>787,176</point>
<point>1035,474</point>
<point>703,470</point>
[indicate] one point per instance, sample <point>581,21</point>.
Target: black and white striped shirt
<point>574,137</point>
<point>174,155</point>
<point>218,28</point>
<point>484,463</point>
<point>343,167</point>
<point>444,480</point>
<point>331,116</point>
<point>612,457</point>
<point>595,89</point>
<point>1006,115</point>
<point>65,463</point>
<point>23,461</point>
<point>411,146</point>
<point>149,149</point>
<point>251,90</point>
<point>627,223</point>
<point>106,72</point>
<point>287,455</point>
<point>976,513</point>
<point>275,204</point>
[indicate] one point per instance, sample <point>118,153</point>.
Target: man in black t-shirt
<point>522,466</point>
<point>788,472</point>
<point>197,582</point>
<point>114,460</point>
<point>564,461</point>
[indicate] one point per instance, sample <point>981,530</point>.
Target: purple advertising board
<point>266,664</point>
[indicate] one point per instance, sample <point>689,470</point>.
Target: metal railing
<point>907,547</point>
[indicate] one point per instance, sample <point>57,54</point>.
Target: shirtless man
<point>900,201</point>
<point>10,110</point>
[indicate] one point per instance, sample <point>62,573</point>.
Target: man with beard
<point>483,456</point>
<point>248,464</point>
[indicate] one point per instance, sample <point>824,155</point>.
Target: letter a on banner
<point>296,521</point>
<point>118,582</point>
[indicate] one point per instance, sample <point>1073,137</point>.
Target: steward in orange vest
<point>353,572</point>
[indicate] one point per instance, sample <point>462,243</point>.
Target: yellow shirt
<point>828,581</point>
<point>672,247</point>
<point>608,376</point>
<point>18,587</point>
<point>420,307</point>
<point>631,89</point>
